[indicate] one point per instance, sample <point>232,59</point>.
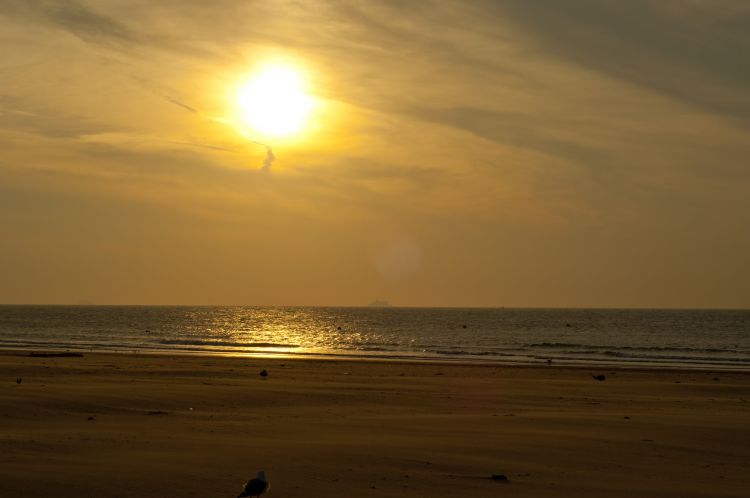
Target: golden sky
<point>483,153</point>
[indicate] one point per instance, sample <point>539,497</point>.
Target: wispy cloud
<point>19,116</point>
<point>509,128</point>
<point>681,50</point>
<point>539,135</point>
<point>72,16</point>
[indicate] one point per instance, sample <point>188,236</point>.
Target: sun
<point>273,102</point>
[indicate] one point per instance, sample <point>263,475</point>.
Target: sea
<point>709,339</point>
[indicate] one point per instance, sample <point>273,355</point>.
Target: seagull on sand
<point>256,486</point>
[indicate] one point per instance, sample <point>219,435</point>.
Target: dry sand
<point>168,426</point>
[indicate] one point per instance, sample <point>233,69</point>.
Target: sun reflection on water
<point>507,335</point>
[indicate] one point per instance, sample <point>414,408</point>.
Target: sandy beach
<point>116,425</point>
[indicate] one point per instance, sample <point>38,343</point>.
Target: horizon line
<point>494,307</point>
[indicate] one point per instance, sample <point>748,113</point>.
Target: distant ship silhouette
<point>380,304</point>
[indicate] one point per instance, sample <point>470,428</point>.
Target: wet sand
<point>115,425</point>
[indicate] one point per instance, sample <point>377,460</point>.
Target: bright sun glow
<point>274,103</point>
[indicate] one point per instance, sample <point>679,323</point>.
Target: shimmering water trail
<point>698,338</point>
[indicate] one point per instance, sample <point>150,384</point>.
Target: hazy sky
<point>481,153</point>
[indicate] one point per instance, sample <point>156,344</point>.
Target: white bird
<point>256,486</point>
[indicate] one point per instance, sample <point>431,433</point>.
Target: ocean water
<point>657,338</point>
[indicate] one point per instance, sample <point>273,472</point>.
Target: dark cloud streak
<point>507,128</point>
<point>73,17</point>
<point>691,56</point>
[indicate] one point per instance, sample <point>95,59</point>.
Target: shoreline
<point>541,363</point>
<point>631,365</point>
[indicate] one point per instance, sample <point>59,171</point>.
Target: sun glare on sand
<point>273,102</point>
